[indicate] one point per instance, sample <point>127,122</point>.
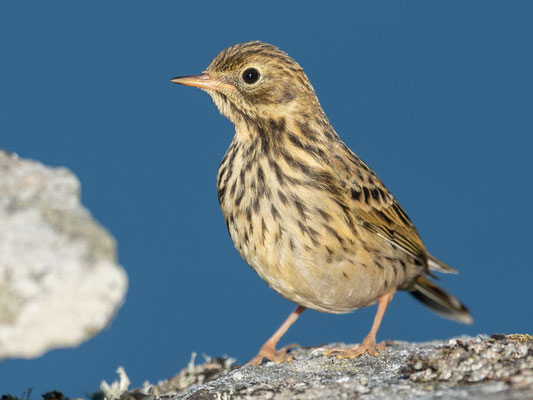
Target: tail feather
<point>436,265</point>
<point>440,301</point>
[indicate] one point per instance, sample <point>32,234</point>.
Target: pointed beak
<point>203,81</point>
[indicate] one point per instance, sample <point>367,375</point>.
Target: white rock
<point>60,283</point>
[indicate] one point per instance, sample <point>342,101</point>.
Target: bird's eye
<point>251,75</point>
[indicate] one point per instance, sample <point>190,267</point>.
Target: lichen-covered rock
<point>59,279</point>
<point>501,358</point>
<point>500,367</point>
<point>196,374</point>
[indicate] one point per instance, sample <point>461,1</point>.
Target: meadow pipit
<point>310,217</point>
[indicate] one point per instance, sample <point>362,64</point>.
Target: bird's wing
<point>374,206</point>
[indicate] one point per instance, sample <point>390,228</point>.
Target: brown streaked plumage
<point>312,219</point>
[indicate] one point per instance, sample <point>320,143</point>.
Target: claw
<point>271,354</point>
<point>368,346</point>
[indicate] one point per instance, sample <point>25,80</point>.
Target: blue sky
<point>435,96</point>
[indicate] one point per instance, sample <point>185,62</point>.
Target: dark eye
<point>251,75</point>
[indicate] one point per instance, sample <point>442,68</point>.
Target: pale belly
<point>321,274</point>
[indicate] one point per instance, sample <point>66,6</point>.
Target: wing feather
<point>375,207</point>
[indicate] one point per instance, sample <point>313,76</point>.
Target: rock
<point>499,367</point>
<point>60,283</point>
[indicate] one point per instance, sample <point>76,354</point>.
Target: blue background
<point>435,96</point>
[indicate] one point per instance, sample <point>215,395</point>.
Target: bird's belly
<point>342,289</point>
<point>320,275</point>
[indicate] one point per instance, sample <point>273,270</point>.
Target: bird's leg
<point>268,350</point>
<point>369,342</point>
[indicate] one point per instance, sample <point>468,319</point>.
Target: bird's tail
<point>440,301</point>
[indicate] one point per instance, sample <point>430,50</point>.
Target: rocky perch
<point>496,367</point>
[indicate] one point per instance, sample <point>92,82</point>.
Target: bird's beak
<point>203,81</point>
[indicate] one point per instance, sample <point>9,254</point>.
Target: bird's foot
<point>369,346</point>
<point>270,353</point>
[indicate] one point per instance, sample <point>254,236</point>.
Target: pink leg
<point>268,350</point>
<point>369,342</point>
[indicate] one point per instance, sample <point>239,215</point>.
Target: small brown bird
<point>310,217</point>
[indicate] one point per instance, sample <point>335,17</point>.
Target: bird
<point>303,210</point>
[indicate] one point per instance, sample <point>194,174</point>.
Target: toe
<point>257,360</point>
<point>368,346</point>
<point>279,356</point>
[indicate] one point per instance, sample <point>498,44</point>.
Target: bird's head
<point>254,81</point>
